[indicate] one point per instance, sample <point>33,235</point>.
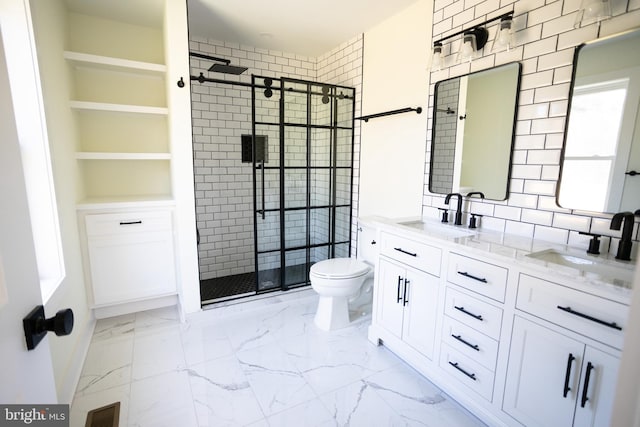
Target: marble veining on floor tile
<point>263,366</point>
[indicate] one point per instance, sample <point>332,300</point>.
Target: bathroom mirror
<point>473,129</point>
<point>600,167</point>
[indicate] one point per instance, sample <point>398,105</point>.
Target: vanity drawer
<point>597,318</point>
<point>474,313</point>
<point>416,254</point>
<point>470,342</point>
<point>466,370</point>
<point>127,223</point>
<point>478,276</point>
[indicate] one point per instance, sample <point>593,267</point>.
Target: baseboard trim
<point>68,389</point>
<point>134,306</point>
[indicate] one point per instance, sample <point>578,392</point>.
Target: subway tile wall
<point>223,183</point>
<point>546,41</point>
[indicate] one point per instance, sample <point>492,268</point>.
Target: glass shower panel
<point>344,148</point>
<point>295,147</point>
<point>320,220</point>
<point>343,186</point>
<point>321,104</point>
<point>295,100</point>
<point>320,147</point>
<point>295,188</point>
<point>342,250</point>
<point>268,230</point>
<point>344,108</point>
<point>268,273</point>
<point>296,268</point>
<point>268,137</point>
<point>320,187</point>
<point>267,190</point>
<point>318,254</point>
<point>295,229</point>
<point>343,224</point>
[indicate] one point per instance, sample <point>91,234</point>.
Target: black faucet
<point>476,193</point>
<point>458,220</point>
<point>624,247</point>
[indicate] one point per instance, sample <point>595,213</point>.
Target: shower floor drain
<point>106,416</point>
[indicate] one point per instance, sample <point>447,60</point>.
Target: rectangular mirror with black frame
<point>473,131</point>
<point>600,166</point>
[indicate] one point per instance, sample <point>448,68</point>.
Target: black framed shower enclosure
<point>302,145</point>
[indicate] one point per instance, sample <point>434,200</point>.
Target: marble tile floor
<point>263,363</point>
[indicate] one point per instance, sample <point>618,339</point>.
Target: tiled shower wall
<point>546,40</point>
<point>221,114</point>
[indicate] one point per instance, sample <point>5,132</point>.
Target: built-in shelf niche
<point>125,179</point>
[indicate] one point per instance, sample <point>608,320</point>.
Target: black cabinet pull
<point>475,316</point>
<point>130,222</point>
<point>405,300</point>
<point>471,276</point>
<point>632,173</point>
<point>463,341</point>
<point>455,365</point>
<point>567,376</point>
<point>585,388</point>
<point>613,325</point>
<point>405,252</point>
<point>398,294</point>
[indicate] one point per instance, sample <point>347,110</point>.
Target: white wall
<point>395,75</point>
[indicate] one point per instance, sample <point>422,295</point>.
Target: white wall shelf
<point>118,108</point>
<point>114,64</point>
<point>122,156</point>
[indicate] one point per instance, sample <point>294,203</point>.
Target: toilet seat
<point>339,268</point>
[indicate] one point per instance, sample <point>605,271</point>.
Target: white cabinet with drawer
<point>130,255</point>
<point>478,276</point>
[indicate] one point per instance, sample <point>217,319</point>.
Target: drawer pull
<point>130,222</point>
<point>471,276</point>
<point>475,316</point>
<point>455,365</point>
<point>585,388</point>
<point>463,341</point>
<point>398,293</point>
<point>613,325</point>
<point>406,252</point>
<point>567,376</point>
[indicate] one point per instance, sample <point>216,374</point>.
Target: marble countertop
<point>614,282</point>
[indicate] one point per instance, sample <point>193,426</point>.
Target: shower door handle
<point>261,167</point>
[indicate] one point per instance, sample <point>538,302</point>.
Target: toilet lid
<point>339,268</point>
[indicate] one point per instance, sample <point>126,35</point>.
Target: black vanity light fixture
<point>474,39</point>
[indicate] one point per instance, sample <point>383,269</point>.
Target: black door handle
<point>465,342</point>
<point>398,298</point>
<point>471,276</point>
<point>613,325</point>
<point>405,300</point>
<point>406,252</point>
<point>470,375</point>
<point>632,173</point>
<point>36,325</point>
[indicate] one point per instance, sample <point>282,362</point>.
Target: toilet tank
<point>368,248</point>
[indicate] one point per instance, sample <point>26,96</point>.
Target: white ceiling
<point>305,27</point>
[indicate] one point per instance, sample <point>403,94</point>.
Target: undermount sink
<point>438,229</point>
<point>591,264</point>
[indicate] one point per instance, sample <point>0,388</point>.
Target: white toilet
<point>340,280</point>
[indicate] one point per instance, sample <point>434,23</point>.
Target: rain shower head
<point>227,69</point>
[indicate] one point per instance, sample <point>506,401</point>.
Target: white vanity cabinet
<point>554,380</point>
<point>407,304</point>
<point>130,256</point>
<point>552,367</point>
<point>407,289</point>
